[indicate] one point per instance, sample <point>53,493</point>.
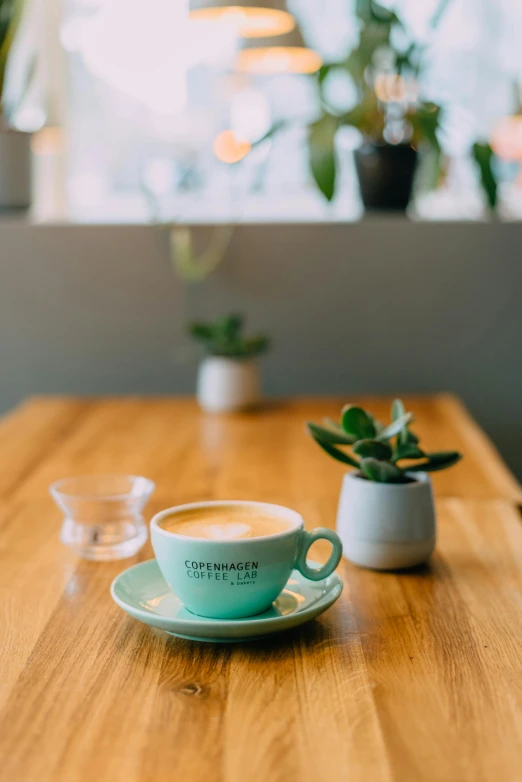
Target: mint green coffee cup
<point>230,579</point>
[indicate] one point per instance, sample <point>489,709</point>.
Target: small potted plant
<point>393,112</point>
<point>386,514</point>
<point>228,377</point>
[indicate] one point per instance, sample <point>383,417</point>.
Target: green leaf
<point>189,265</point>
<point>397,426</point>
<point>483,155</point>
<point>381,472</point>
<point>430,169</point>
<point>379,426</point>
<point>397,409</point>
<point>271,132</point>
<point>425,120</point>
<point>321,150</point>
<point>409,437</point>
<point>371,11</point>
<point>201,331</point>
<point>439,13</point>
<point>330,424</point>
<point>223,338</point>
<point>406,59</point>
<point>363,9</point>
<point>255,346</point>
<point>441,457</point>
<point>230,326</point>
<point>407,451</point>
<point>358,422</point>
<point>382,15</point>
<point>10,16</point>
<point>335,453</point>
<point>436,461</point>
<point>373,448</point>
<point>323,72</point>
<point>329,436</point>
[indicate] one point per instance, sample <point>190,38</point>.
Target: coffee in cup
<point>225,522</point>
<point>231,559</point>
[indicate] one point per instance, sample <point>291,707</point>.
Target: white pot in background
<point>15,168</point>
<point>227,384</point>
<point>386,526</point>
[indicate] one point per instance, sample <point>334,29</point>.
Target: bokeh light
<point>228,148</point>
<point>248,22</point>
<point>278,59</point>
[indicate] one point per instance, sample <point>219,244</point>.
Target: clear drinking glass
<point>103,514</point>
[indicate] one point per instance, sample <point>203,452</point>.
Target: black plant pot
<point>385,173</point>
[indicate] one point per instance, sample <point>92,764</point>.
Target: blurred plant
<point>10,14</point>
<point>389,108</point>
<point>224,338</point>
<point>193,267</point>
<point>189,264</point>
<point>386,69</point>
<point>379,448</point>
<point>483,155</point>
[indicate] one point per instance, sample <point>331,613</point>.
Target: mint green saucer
<point>143,593</point>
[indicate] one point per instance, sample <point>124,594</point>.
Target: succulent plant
<point>385,454</point>
<point>224,338</point>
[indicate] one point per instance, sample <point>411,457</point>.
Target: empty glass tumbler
<point>103,514</point>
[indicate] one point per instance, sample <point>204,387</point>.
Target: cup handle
<point>320,533</point>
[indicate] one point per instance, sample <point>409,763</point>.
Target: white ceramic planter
<point>15,169</point>
<point>226,384</point>
<point>386,526</point>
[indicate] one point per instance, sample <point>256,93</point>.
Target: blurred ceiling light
<point>285,54</point>
<point>228,148</point>
<point>146,56</point>
<point>249,18</point>
<point>506,138</point>
<point>141,55</point>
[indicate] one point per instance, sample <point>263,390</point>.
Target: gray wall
<point>379,306</point>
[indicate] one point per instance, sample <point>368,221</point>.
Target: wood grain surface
<point>407,677</point>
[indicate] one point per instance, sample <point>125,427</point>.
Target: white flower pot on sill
<point>227,384</point>
<point>15,168</point>
<point>386,526</point>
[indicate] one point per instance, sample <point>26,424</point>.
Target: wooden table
<point>407,677</point>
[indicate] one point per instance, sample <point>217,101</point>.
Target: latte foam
<point>225,522</point>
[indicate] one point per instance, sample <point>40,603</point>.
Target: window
<point>159,124</point>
